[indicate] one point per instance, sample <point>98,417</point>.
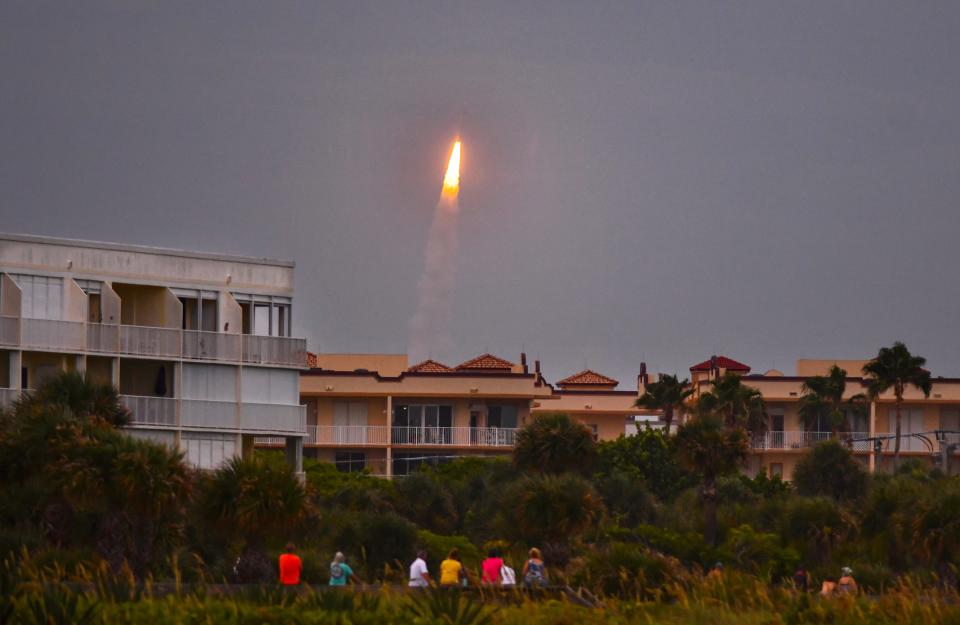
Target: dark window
<point>350,461</point>
<point>501,416</point>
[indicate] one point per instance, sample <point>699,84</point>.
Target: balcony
<point>10,331</point>
<point>150,341</point>
<point>802,440</point>
<point>152,411</point>
<point>53,335</point>
<point>275,350</point>
<point>273,418</point>
<point>455,436</point>
<point>348,435</point>
<point>211,346</point>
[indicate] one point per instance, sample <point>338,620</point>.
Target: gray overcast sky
<point>651,181</point>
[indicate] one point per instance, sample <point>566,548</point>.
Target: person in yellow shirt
<point>451,570</point>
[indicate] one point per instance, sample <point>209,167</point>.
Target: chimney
<point>714,371</point>
<point>536,370</point>
<point>523,361</point>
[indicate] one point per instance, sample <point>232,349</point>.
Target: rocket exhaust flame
<point>430,333</point>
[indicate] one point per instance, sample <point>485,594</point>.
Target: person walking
<point>290,567</point>
<point>419,575</point>
<point>451,570</point>
<point>340,571</point>
<point>492,568</point>
<point>534,570</point>
<point>846,585</point>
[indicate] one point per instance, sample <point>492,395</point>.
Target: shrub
<point>548,509</point>
<point>554,443</point>
<point>628,570</point>
<point>648,457</point>
<point>830,469</point>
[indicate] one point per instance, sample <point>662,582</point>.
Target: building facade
<point>930,426</point>
<point>199,345</point>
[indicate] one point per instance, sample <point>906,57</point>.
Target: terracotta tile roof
<point>429,366</point>
<point>311,360</point>
<point>587,377</point>
<point>486,361</point>
<point>723,363</point>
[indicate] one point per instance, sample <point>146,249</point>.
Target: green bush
<point>830,469</point>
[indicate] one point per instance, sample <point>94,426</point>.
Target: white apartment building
<point>199,345</point>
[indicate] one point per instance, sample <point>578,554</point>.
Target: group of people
<point>494,571</point>
<point>831,586</point>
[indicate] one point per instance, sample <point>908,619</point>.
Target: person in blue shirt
<point>340,571</point>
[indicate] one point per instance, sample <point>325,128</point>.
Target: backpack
<point>536,574</point>
<point>507,576</point>
<point>336,571</point>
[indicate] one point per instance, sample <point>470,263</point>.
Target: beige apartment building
<point>930,426</point>
<point>199,345</point>
<point>379,413</point>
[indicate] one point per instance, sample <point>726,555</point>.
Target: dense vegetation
<point>641,520</point>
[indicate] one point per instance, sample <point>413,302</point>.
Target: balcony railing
<point>8,396</point>
<point>802,440</point>
<point>211,345</point>
<point>274,350</point>
<point>273,417</point>
<point>53,334</point>
<point>359,435</point>
<point>150,341</point>
<point>455,436</point>
<point>9,330</point>
<point>103,338</point>
<point>158,411</point>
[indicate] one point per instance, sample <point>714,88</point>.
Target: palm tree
<point>554,443</point>
<point>895,367</point>
<point>823,402</point>
<point>667,394</point>
<point>707,445</point>
<point>737,404</point>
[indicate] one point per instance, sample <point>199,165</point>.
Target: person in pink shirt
<point>492,567</point>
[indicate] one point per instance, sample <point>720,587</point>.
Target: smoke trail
<point>430,331</point>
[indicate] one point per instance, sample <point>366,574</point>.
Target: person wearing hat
<point>846,585</point>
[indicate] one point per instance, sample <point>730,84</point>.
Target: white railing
<point>104,338</point>
<point>211,345</point>
<point>150,341</point>
<point>275,350</point>
<point>455,436</point>
<point>273,417</point>
<point>209,414</point>
<point>348,435</point>
<point>9,330</point>
<point>802,440</point>
<point>8,396</point>
<point>53,334</point>
<point>161,411</point>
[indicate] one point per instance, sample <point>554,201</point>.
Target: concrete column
<point>16,363</point>
<point>294,452</point>
<point>873,432</point>
<point>388,470</point>
<point>115,373</point>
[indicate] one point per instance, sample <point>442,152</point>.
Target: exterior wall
<point>809,367</point>
<point>606,409</point>
<point>153,306</point>
<point>376,409</point>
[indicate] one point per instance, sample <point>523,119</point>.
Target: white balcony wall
<point>273,418</point>
<point>10,297</point>
<point>54,335</point>
<point>270,386</point>
<point>208,450</point>
<point>209,382</point>
<point>41,297</point>
<point>154,411</point>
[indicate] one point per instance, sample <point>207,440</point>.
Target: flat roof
<point>145,249</point>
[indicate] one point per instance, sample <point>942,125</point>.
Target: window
<point>911,422</point>
<point>264,315</point>
<point>210,382</point>
<point>776,469</point>
<point>270,386</point>
<point>405,464</point>
<point>423,424</point>
<point>208,451</point>
<point>350,461</point>
<point>502,416</point>
<point>41,297</point>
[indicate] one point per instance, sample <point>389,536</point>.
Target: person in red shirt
<point>290,567</point>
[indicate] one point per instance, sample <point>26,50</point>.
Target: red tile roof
<point>486,361</point>
<point>722,363</point>
<point>587,377</point>
<point>311,360</point>
<point>429,366</point>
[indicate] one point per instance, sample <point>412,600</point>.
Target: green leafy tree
<point>554,443</point>
<point>541,509</point>
<point>738,405</point>
<point>648,456</point>
<point>823,402</point>
<point>668,395</point>
<point>712,449</point>
<point>896,368</point>
<point>830,469</point>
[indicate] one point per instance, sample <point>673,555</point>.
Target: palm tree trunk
<point>709,495</point>
<point>667,419</point>
<point>896,444</point>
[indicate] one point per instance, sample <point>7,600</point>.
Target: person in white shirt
<point>419,576</point>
